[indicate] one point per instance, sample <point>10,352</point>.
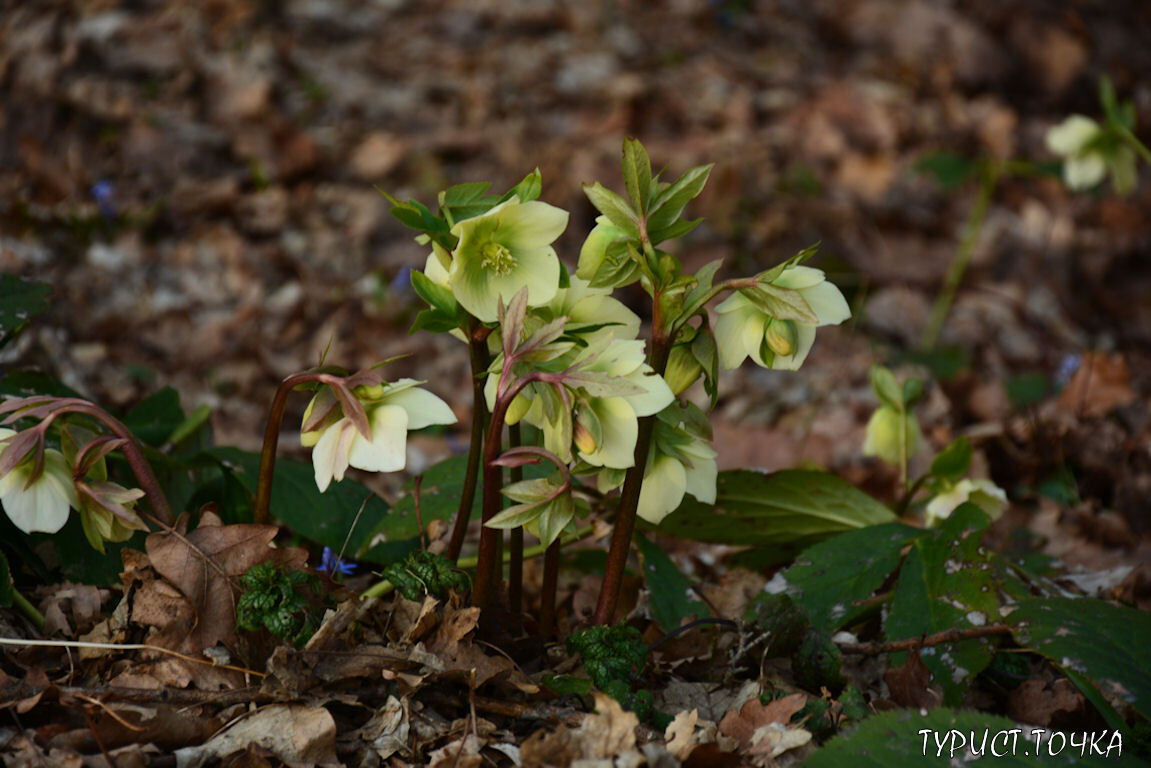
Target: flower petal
<point>1084,172</point>
<point>804,339</point>
<point>330,454</point>
<point>799,278</point>
<point>387,450</point>
<point>620,430</point>
<point>827,302</point>
<point>662,490</point>
<point>423,408</point>
<point>530,225</point>
<point>1068,137</point>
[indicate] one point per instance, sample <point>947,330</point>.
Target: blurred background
<point>196,180</point>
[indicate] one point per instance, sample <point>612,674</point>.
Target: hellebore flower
<point>106,512</point>
<point>745,330</point>
<point>982,493</point>
<point>1089,152</point>
<point>38,503</point>
<point>392,410</point>
<point>882,438</point>
<point>594,259</point>
<point>503,250</point>
<point>667,479</point>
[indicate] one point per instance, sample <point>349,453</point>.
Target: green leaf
<point>1105,643</point>
<point>28,383</point>
<point>527,190</point>
<point>565,684</point>
<point>7,591</point>
<point>947,581</point>
<point>433,321</point>
<point>1027,389</point>
<point>677,228</point>
<point>886,388</point>
<point>908,737</point>
<point>613,206</point>
<point>757,509</point>
<point>670,201</point>
<point>325,518</point>
<point>20,300</point>
<point>670,589</point>
<point>437,296</point>
<point>637,174</point>
<point>953,461</point>
<point>466,201</point>
<point>948,169</point>
<point>156,417</point>
<point>833,578</point>
<point>945,363</point>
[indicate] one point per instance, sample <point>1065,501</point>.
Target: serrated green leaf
<point>613,206</point>
<point>773,273</point>
<point>637,174</point>
<point>464,194</point>
<point>834,578</point>
<point>953,461</point>
<point>758,509</point>
<point>671,594</point>
<point>1104,642</point>
<point>670,201</point>
<point>942,736</point>
<point>433,321</point>
<point>21,299</point>
<point>947,581</point>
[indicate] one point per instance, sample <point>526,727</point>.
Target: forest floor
<point>196,181</point>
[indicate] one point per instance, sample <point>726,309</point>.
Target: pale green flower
<point>616,416</point>
<point>1089,153</point>
<point>982,493</point>
<point>594,254</point>
<point>668,478</point>
<point>106,512</point>
<point>744,330</point>
<point>41,504</point>
<point>882,437</point>
<point>399,407</point>
<point>439,265</point>
<point>504,250</point>
<point>586,307</point>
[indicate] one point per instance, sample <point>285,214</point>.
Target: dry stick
<point>96,736</point>
<point>953,635</point>
<point>480,360</point>
<point>122,647</point>
<point>179,696</point>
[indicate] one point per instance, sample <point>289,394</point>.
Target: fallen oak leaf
<point>743,725</point>
<point>204,565</point>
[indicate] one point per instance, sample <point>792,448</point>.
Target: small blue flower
<point>1067,368</point>
<point>102,193</point>
<point>332,564</point>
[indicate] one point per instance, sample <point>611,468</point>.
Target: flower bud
<point>781,337</point>
<point>682,369</point>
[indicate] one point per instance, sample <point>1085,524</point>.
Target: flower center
<point>497,258</point>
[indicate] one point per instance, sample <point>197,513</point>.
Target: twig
<point>99,741</point>
<point>181,696</point>
<point>953,635</point>
<point>123,647</point>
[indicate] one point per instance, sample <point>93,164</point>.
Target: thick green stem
<point>939,311</point>
<point>1133,142</point>
<point>25,607</point>
<point>629,498</point>
<point>480,359</point>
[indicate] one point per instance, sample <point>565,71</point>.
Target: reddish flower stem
<point>480,359</point>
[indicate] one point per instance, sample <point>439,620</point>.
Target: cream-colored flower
<point>982,493</point>
<point>337,444</point>
<point>43,503</point>
<point>744,330</point>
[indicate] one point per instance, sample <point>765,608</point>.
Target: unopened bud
<point>782,337</point>
<point>682,369</point>
<point>369,391</point>
<point>583,438</point>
